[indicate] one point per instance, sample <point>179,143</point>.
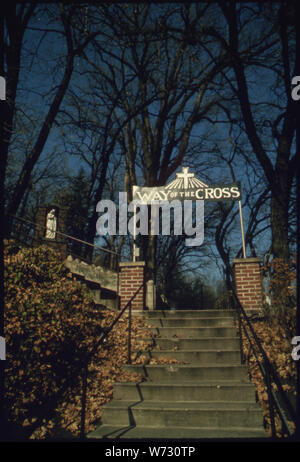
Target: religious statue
<point>51,224</point>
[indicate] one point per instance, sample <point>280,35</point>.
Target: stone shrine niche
<point>50,223</point>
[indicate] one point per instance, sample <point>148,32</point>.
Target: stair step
<point>183,372</point>
<point>185,313</point>
<point>193,413</point>
<point>194,332</point>
<point>194,356</point>
<point>189,391</point>
<point>182,433</point>
<point>209,396</point>
<point>188,322</point>
<point>206,343</point>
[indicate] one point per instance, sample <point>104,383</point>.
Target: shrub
<point>50,326</point>
<point>282,294</point>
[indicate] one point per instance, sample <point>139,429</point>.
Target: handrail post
<point>83,401</point>
<point>240,334</point>
<point>118,280</point>
<point>270,399</point>
<point>129,335</point>
<point>238,312</point>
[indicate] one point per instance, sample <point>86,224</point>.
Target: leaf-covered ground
<point>51,325</point>
<point>105,369</point>
<point>276,342</point>
<point>51,328</point>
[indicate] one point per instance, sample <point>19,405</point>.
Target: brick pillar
<point>132,275</point>
<point>248,283</point>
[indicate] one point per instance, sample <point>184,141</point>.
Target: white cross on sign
<point>185,175</point>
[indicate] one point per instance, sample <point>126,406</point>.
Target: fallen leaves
<point>50,333</point>
<point>273,337</point>
<point>162,360</point>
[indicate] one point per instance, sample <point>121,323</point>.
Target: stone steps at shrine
<point>206,343</point>
<point>196,356</point>
<point>214,390</point>
<point>171,434</point>
<point>182,372</point>
<point>182,413</point>
<point>204,394</point>
<point>187,322</point>
<point>163,314</point>
<point>193,332</point>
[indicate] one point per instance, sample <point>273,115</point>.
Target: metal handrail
<point>94,350</point>
<point>267,370</point>
<point>112,252</point>
<point>65,235</point>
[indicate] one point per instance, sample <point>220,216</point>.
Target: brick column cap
<point>246,260</point>
<point>132,263</point>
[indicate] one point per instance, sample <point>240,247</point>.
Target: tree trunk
<point>279,226</point>
<point>91,231</point>
<point>148,254</point>
<point>279,177</point>
<point>33,157</point>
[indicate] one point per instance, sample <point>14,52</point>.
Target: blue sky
<point>46,71</point>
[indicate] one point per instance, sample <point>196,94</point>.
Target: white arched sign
<point>187,187</point>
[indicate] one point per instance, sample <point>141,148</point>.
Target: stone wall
<point>102,276</point>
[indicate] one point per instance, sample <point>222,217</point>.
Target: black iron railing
<point>100,342</point>
<point>24,231</point>
<point>268,371</point>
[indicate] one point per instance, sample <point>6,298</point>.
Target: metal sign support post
<point>242,229</point>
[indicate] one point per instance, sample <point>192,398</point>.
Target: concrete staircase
<point>209,396</point>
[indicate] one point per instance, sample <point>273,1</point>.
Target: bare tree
<point>167,94</point>
<point>277,34</point>
<point>16,23</point>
